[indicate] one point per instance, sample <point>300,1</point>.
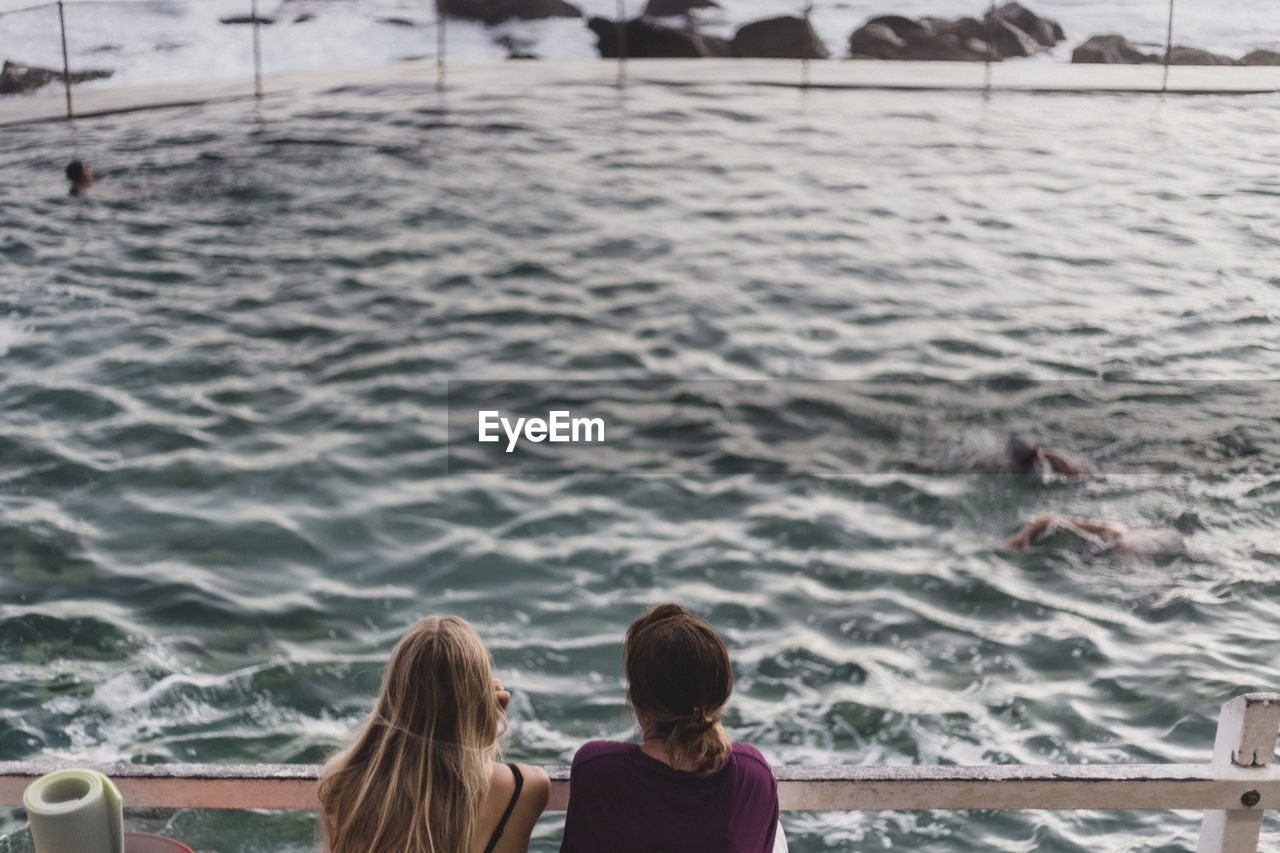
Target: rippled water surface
<point>224,478</point>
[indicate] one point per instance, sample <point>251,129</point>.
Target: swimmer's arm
<point>1053,521</point>
<point>1108,532</point>
<point>1024,537</point>
<point>1062,463</point>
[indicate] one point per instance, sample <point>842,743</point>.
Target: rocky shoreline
<point>1116,49</point>
<point>19,78</point>
<point>1007,32</point>
<point>670,29</point>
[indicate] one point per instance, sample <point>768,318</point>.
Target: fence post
<point>442,13</point>
<point>257,55</point>
<point>804,60</point>
<point>1247,730</point>
<point>66,63</point>
<point>621,30</point>
<point>991,48</point>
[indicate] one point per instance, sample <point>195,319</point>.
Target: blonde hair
<point>679,676</point>
<point>415,777</point>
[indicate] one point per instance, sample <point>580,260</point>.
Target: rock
<point>517,48</point>
<point>304,17</point>
<point>1012,30</point>
<point>17,77</point>
<point>667,8</point>
<point>647,39</point>
<point>876,41</point>
<point>1010,40</point>
<point>965,29</point>
<point>1044,31</point>
<point>247,19</point>
<point>1182,55</point>
<point>1111,49</point>
<point>496,11</point>
<point>1119,50</point>
<point>396,22</point>
<point>1261,57</point>
<point>786,37</point>
<point>896,37</point>
<point>902,26</point>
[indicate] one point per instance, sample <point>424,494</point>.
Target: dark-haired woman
<point>685,788</point>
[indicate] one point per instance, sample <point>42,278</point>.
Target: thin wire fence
<point>84,43</point>
<point>40,28</point>
<point>76,38</point>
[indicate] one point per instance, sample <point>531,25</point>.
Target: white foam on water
<point>12,333</point>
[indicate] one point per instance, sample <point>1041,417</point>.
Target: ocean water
<point>164,41</point>
<point>229,480</point>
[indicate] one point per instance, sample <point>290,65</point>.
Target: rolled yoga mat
<point>75,811</point>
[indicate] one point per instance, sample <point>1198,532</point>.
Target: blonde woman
<point>421,776</point>
<point>685,788</point>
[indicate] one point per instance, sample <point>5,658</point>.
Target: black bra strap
<point>511,806</point>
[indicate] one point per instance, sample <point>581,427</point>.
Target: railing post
<point>66,63</point>
<point>1247,730</point>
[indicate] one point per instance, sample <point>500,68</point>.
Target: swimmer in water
<point>1100,537</point>
<point>80,176</point>
<point>1027,457</point>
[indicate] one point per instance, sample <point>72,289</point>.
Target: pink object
<point>145,842</point>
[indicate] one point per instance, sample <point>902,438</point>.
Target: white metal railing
<point>1234,789</point>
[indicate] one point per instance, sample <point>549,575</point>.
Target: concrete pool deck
<point>826,74</point>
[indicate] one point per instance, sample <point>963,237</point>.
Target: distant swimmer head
<point>79,174</point>
<point>1022,450</point>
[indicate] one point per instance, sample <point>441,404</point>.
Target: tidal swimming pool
<point>226,480</point>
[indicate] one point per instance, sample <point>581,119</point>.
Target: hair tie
<point>700,721</point>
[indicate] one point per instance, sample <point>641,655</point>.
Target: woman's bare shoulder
<point>534,792</point>
<point>537,785</point>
